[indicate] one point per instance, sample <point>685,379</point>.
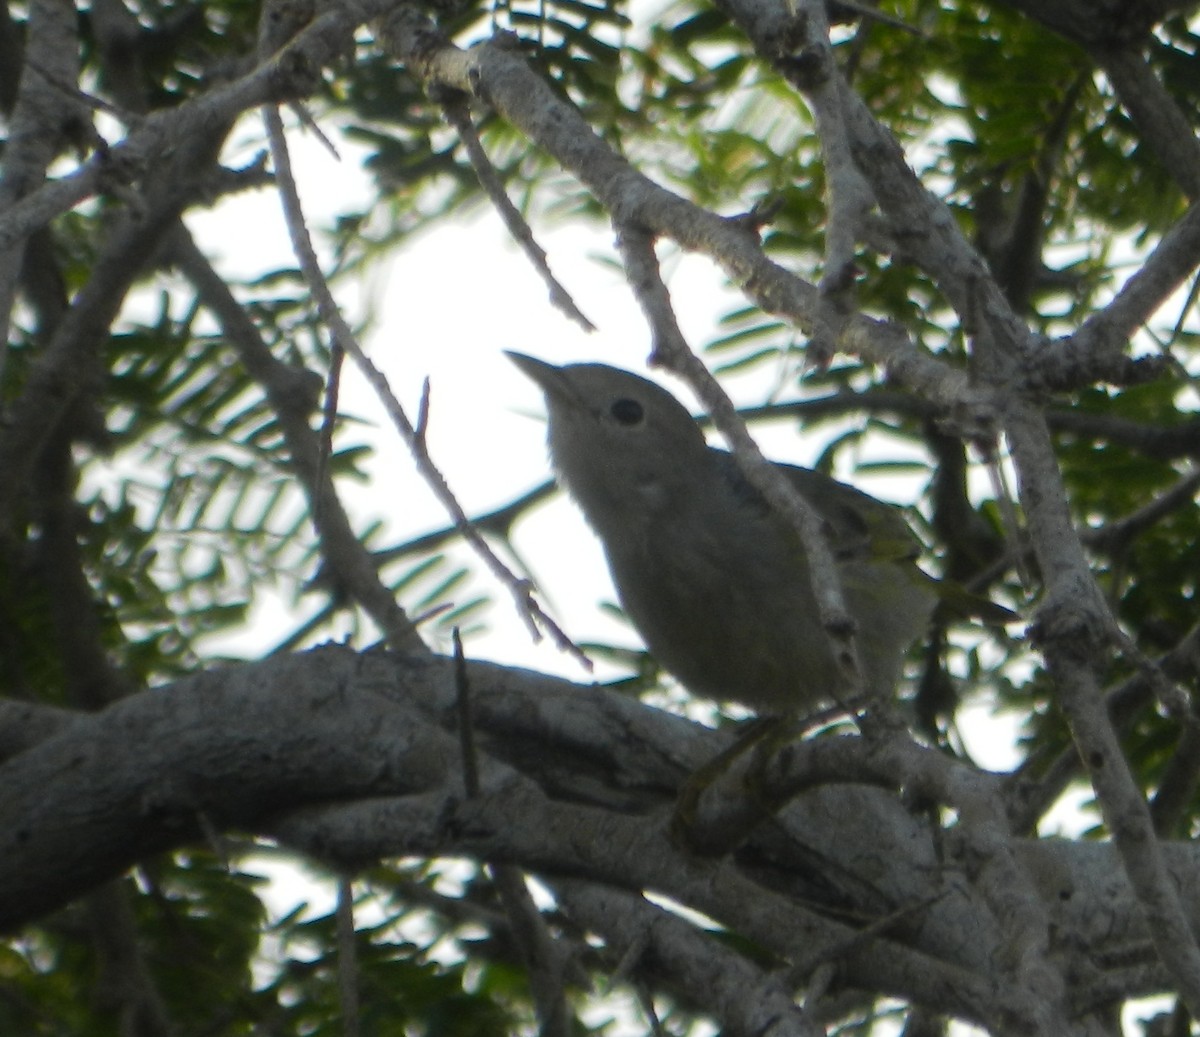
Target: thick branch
<point>229,747</point>
<point>1074,631</point>
<point>1159,120</point>
<point>325,734</point>
<point>517,823</point>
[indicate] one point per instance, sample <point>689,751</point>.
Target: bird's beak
<point>550,379</point>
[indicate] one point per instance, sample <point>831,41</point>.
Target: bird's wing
<point>858,526</point>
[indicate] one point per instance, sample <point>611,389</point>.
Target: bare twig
<point>848,195</point>
<point>1170,264</point>
<point>1011,522</point>
<point>1114,536</point>
<point>422,425</point>
<point>329,411</point>
<point>544,959</point>
<point>73,91</point>
<point>1176,791</point>
<point>310,124</point>
<point>347,965</point>
<point>520,589</point>
<point>466,725</point>
<point>497,523</point>
<point>456,110</point>
<point>1162,443</point>
<point>672,352</point>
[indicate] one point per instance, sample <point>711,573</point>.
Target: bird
<point>713,578</point>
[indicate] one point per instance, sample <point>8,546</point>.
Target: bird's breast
<point>728,611</point>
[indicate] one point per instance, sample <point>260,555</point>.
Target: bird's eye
<point>626,411</point>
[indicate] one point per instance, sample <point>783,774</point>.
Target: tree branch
<point>493,71</point>
<point>292,392</point>
<point>42,120</point>
<point>235,745</point>
<point>521,590</point>
<point>745,997</point>
<point>350,757</point>
<point>1160,122</point>
<point>459,116</point>
<point>1073,628</point>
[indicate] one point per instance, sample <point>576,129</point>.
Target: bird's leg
<point>718,805</point>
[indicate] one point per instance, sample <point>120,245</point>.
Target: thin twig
<point>671,350</point>
<point>347,964</point>
<point>72,91</point>
<point>329,412</point>
<point>521,590</point>
<point>310,124</point>
<point>848,195</point>
<point>422,425</point>
<point>646,1003</point>
<point>1114,536</point>
<point>466,725</point>
<point>1004,497</point>
<point>873,14</point>
<point>1172,802</point>
<point>456,111</point>
<point>543,958</point>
